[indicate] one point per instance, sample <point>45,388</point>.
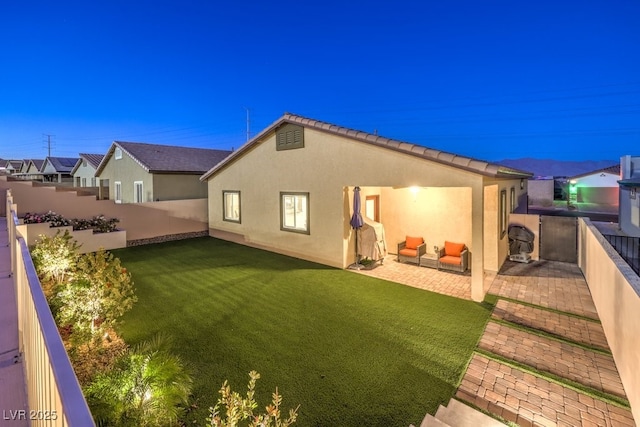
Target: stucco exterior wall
<point>434,213</point>
<point>195,209</point>
<point>328,167</point>
<point>540,192</point>
<point>178,186</point>
<point>87,172</point>
<point>615,290</point>
<point>139,221</point>
<point>600,179</point>
<point>127,171</point>
<point>629,208</point>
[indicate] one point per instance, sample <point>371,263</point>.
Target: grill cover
<point>520,240</point>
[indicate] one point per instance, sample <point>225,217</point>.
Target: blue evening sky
<point>490,79</point>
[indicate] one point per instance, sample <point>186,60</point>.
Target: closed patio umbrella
<point>356,223</point>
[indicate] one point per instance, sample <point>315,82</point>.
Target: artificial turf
<point>350,349</point>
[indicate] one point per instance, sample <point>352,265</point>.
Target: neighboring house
<point>290,190</point>
<point>32,171</point>
<point>12,166</point>
<point>58,169</point>
<point>629,207</point>
<point>600,186</point>
<point>140,172</point>
<point>84,172</point>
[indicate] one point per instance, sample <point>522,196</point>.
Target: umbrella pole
<point>357,265</point>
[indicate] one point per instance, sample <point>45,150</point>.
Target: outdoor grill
<point>520,243</point>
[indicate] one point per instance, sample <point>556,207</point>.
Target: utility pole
<point>48,143</point>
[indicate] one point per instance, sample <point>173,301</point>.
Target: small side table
<point>429,260</point>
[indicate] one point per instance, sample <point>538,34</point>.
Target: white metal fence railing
<point>54,394</point>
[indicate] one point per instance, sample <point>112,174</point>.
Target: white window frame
<point>118,153</point>
<point>117,191</point>
<point>84,182</point>
<point>290,202</point>
<point>231,209</point>
<point>138,192</point>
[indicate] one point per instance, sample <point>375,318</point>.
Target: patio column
<point>477,237</point>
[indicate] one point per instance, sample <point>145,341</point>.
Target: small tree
<point>100,293</point>
<point>146,387</point>
<point>238,408</point>
<point>55,258</point>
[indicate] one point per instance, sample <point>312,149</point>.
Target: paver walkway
<point>529,400</point>
<point>429,279</point>
<point>591,368</point>
<point>557,285</point>
<point>540,349</point>
<point>581,330</point>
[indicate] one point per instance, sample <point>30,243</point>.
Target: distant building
<point>629,207</point>
<point>599,186</point>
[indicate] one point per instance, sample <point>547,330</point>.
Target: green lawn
<point>351,350</point>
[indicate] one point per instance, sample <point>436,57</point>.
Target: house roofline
<point>461,162</point>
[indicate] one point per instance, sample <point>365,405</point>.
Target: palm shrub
<point>99,294</point>
<point>148,386</point>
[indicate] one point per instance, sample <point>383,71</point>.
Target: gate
<point>559,238</point>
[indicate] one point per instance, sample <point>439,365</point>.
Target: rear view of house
<point>140,172</point>
<point>290,190</point>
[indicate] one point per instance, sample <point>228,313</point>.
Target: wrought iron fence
<point>628,248</point>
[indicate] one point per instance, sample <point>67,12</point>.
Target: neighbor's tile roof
<point>614,170</point>
<point>37,163</point>
<point>62,164</point>
<point>155,158</point>
<point>443,157</point>
<point>93,159</point>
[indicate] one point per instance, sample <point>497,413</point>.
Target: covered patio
<point>443,282</point>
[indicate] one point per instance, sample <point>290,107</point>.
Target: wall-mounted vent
<point>289,137</point>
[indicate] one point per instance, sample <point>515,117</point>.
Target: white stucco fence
<point>615,289</point>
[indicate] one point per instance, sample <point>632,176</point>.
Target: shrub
<point>99,294</point>
<point>55,258</point>
<point>237,408</point>
<point>99,223</point>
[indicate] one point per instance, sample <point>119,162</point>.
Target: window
<point>294,212</point>
<point>118,153</point>
<point>84,163</point>
<point>117,188</point>
<point>138,194</point>
<point>84,182</point>
<point>503,213</point>
<point>93,181</point>
<point>231,206</point>
<point>289,137</point>
<point>512,200</point>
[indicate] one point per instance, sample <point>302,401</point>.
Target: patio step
<point>458,414</point>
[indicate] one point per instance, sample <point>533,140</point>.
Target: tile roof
<point>93,159</point>
<point>615,170</point>
<point>37,163</point>
<point>467,163</point>
<point>155,158</point>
